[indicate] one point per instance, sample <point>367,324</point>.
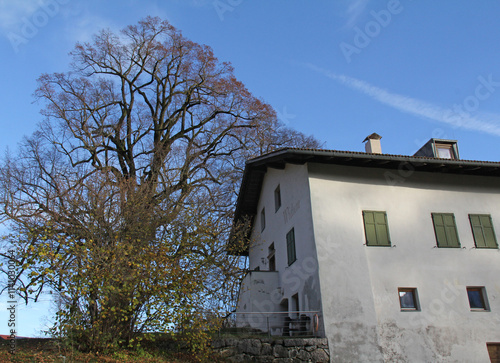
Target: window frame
<point>368,225</point>
<point>416,304</point>
<point>482,296</point>
<point>446,229</point>
<point>448,147</point>
<point>481,226</point>
<point>291,251</point>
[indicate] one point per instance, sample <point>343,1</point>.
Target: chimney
<point>372,145</point>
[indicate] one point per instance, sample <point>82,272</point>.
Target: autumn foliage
<point>121,202</point>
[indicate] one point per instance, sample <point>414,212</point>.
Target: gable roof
<point>256,168</point>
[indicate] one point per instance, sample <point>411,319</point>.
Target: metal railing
<point>277,323</point>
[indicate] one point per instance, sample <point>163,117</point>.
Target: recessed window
<point>277,198</point>
<point>445,229</point>
<point>295,306</point>
<point>376,228</point>
<point>262,219</point>
<point>477,298</point>
<point>290,247</point>
<point>408,298</point>
<point>482,229</point>
<point>271,257</point>
<point>445,151</point>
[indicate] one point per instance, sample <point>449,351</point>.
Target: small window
<point>277,198</point>
<point>445,229</point>
<point>290,247</point>
<point>477,298</point>
<point>376,228</point>
<point>482,229</point>
<point>408,298</point>
<point>271,258</point>
<point>295,306</point>
<point>262,219</point>
<point>445,151</point>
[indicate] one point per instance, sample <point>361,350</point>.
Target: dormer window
<point>439,148</point>
<point>444,151</point>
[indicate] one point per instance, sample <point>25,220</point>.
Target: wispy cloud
<point>418,107</point>
<point>355,9</point>
<point>13,12</point>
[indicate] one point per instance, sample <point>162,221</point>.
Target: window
<point>445,229</point>
<point>494,352</point>
<point>277,198</point>
<point>482,229</point>
<point>477,298</point>
<point>376,229</point>
<point>271,258</point>
<point>408,298</point>
<point>262,219</point>
<point>295,306</point>
<point>445,151</point>
<point>290,246</point>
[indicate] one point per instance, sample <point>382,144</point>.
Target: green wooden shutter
<point>489,232</point>
<point>451,230</point>
<point>290,246</point>
<point>477,231</point>
<point>376,228</point>
<point>382,229</point>
<point>370,230</point>
<point>439,229</point>
<point>445,229</point>
<point>482,229</point>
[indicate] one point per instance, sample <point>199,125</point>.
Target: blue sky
<point>339,70</point>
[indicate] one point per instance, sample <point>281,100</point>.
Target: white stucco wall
<point>301,277</point>
<point>256,295</point>
<point>359,284</point>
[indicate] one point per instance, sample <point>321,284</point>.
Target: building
<point>392,258</point>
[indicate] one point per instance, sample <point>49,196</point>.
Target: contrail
<point>415,106</point>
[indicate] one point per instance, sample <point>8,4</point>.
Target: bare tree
<point>122,200</point>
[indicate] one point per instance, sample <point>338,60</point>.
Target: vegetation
<point>52,351</point>
<point>121,202</point>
